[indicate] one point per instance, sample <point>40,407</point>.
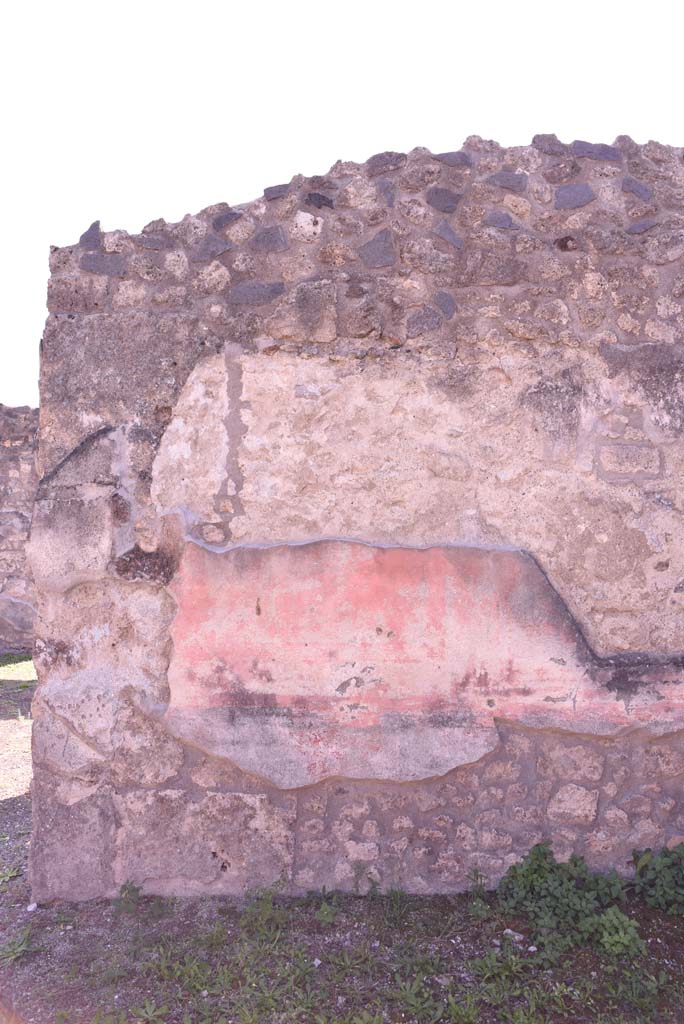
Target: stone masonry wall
<point>18,439</point>
<point>358,536</point>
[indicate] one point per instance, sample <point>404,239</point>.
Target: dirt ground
<point>323,959</point>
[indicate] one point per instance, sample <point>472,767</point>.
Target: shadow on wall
<point>18,484</point>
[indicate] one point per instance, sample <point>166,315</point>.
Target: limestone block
<point>224,842</point>
<point>71,542</point>
<point>112,623</point>
<point>72,848</point>
<point>573,805</point>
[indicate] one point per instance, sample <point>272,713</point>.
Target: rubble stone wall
<point>18,439</point>
<point>358,537</point>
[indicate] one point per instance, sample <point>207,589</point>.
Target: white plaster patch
<point>190,466</point>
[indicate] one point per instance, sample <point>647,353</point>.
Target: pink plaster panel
<point>335,658</point>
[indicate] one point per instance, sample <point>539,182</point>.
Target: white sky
<point>135,109</point>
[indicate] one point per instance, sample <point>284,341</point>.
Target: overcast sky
<point>133,110</point>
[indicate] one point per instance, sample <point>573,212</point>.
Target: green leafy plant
<point>8,873</point>
<point>617,934</point>
<point>565,904</point>
<point>415,998</point>
<point>262,916</point>
<point>326,913</point>
<point>16,948</point>
<point>216,938</point>
<point>659,878</point>
<point>114,1017</point>
<point>462,1010</point>
<point>150,1013</point>
<point>497,964</point>
<point>192,973</point>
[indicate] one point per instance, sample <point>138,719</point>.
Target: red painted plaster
<point>302,661</point>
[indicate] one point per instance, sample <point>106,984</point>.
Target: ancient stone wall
<point>18,439</point>
<point>358,538</point>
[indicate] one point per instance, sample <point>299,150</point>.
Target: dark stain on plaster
<point>48,653</point>
<point>156,566</point>
<point>624,673</point>
<point>558,400</point>
<point>121,510</point>
<point>357,681</point>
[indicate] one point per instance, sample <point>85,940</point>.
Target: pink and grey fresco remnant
<point>358,536</point>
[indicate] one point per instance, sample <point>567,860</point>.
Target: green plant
<point>326,913</point>
<point>639,989</point>
<point>413,961</point>
<point>248,1015</point>
<point>112,972</point>
<point>128,900</point>
<point>565,903</point>
<point>396,907</point>
<point>479,909</point>
<point>224,979</point>
<point>9,873</point>
<point>462,1010</point>
<point>156,908</point>
<point>561,996</point>
<point>306,999</point>
<point>16,948</point>
<point>262,916</point>
<point>617,934</point>
<point>192,973</point>
<point>497,964</point>
<point>525,1015</point>
<point>498,993</point>
<point>215,939</point>
<point>150,1013</point>
<point>163,962</point>
<point>205,1017</point>
<point>477,883</point>
<point>659,878</point>
<point>416,999</point>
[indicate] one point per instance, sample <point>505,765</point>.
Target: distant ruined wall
<point>358,540</point>
<point>18,480</point>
